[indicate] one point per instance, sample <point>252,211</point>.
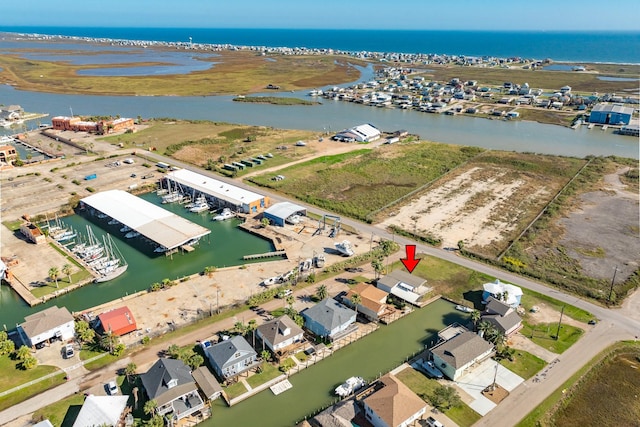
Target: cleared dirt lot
<point>604,234</point>
<point>479,204</point>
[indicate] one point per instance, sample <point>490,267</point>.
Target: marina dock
<point>273,254</point>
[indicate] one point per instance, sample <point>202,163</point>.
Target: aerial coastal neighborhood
<point>173,272</point>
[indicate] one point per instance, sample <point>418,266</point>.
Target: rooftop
<point>213,187</point>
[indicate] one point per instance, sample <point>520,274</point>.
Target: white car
<point>112,388</point>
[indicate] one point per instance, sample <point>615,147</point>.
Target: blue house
<point>611,114</point>
<point>329,319</point>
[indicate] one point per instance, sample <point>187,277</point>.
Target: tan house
<point>48,324</point>
<point>373,301</point>
<point>393,404</point>
<point>280,333</point>
<point>457,355</point>
<point>32,233</point>
<point>8,154</point>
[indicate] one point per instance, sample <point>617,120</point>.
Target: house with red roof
<point>119,321</point>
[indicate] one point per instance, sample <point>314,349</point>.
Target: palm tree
<point>209,270</point>
<point>290,300</point>
<point>150,406</point>
<point>484,327</point>
<point>265,355</point>
<point>356,299</point>
<point>108,341</point>
<point>23,352</point>
<point>29,362</point>
<point>251,327</point>
<point>322,292</point>
<point>239,328</point>
<point>130,371</point>
<point>53,274</point>
<point>66,269</point>
<point>475,318</point>
<point>378,267</point>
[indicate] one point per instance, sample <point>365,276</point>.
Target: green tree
<point>66,270</point>
<point>444,397</point>
<point>53,274</point>
<point>209,270</point>
<point>23,352</point>
<point>155,287</point>
<point>194,360</point>
<point>84,332</point>
<point>475,317</point>
<point>240,328</point>
<point>174,351</point>
<point>119,349</point>
<point>130,371</point>
<point>460,245</point>
<point>7,346</point>
<point>155,421</point>
<point>108,341</point>
<point>286,365</point>
<point>322,292</point>
<point>356,300</point>
<point>265,222</point>
<point>311,278</point>
<point>150,407</point>
<point>378,266</point>
<point>290,300</point>
<point>265,355</point>
<point>29,362</point>
<point>388,247</point>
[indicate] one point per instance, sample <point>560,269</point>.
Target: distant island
<point>274,100</point>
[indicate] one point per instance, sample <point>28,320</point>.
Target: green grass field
<point>62,413</point>
<point>235,390</point>
<point>13,377</point>
<point>268,373</point>
<point>363,181</point>
<point>524,364</point>
<point>544,334</point>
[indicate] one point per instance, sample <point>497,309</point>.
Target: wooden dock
<point>281,387</point>
<point>273,254</point>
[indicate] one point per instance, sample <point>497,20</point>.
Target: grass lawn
<point>524,364</point>
<point>531,298</point>
<point>544,334</point>
<point>268,373</point>
<point>27,392</point>
<point>105,358</point>
<point>235,390</point>
<point>463,415</point>
<point>301,356</point>
<point>13,376</point>
<point>63,412</point>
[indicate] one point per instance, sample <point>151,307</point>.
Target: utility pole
<point>612,282</point>
<point>559,323</point>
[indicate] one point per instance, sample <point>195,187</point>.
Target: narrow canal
<point>225,246</point>
<point>313,387</point>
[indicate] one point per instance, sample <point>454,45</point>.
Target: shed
<point>119,321</point>
<point>279,212</point>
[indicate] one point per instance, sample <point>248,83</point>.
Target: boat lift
<point>335,227</point>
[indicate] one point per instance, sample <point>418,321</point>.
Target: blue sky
<point>588,15</point>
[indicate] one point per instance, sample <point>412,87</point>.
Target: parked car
<point>68,351</point>
<point>285,293</point>
<point>432,422</point>
<point>112,388</point>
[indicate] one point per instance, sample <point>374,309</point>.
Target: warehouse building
<point>280,212</point>
<point>611,114</point>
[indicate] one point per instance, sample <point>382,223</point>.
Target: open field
<point>586,236</point>
<point>363,181</point>
<point>233,72</point>
<point>487,202</point>
<point>604,392</point>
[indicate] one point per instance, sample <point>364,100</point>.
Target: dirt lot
<point>480,205</point>
<point>603,234</point>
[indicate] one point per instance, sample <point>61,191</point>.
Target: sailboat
<point>115,265</point>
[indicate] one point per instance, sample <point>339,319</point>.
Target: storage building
<point>611,114</point>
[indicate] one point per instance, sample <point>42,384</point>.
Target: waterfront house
<point>102,411</point>
<point>329,319</point>
<point>207,383</point>
<point>119,321</point>
<point>280,333</point>
<point>373,301</point>
<point>170,384</point>
<point>32,233</point>
<point>506,292</point>
<point>8,154</point>
<point>11,112</point>
<point>458,355</point>
<point>393,404</point>
<point>232,357</point>
<point>502,316</point>
<point>50,324</point>
<point>401,284</point>
<point>338,415</point>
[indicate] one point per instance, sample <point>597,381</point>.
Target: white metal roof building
<point>223,194</point>
<point>279,212</point>
<point>361,133</point>
<point>153,222</point>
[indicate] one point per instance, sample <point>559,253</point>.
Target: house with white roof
<point>361,133</point>
<point>510,294</point>
<point>401,284</point>
<point>102,411</point>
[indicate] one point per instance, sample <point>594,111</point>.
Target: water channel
<point>332,116</point>
<point>225,246</point>
<point>369,357</point>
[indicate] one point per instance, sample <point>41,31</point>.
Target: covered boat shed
<point>219,192</point>
<point>279,212</point>
<point>153,222</point>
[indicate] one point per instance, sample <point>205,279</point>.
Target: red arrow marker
<point>410,262</point>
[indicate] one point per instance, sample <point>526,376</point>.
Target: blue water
<point>618,47</point>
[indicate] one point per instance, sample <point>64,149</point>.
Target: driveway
<point>477,380</point>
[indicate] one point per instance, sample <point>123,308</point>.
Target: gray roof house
<point>329,319</point>
<point>207,382</point>
<point>170,384</point>
<point>51,323</point>
<point>232,357</point>
<point>502,316</point>
<point>280,333</point>
<point>403,285</point>
<point>455,356</point>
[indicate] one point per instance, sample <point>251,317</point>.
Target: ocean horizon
<point>621,47</point>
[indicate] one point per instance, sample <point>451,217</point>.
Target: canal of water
<point>369,357</point>
<point>225,246</point>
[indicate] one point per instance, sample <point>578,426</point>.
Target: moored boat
<point>350,386</point>
<point>464,308</point>
<point>344,248</point>
<point>224,215</point>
